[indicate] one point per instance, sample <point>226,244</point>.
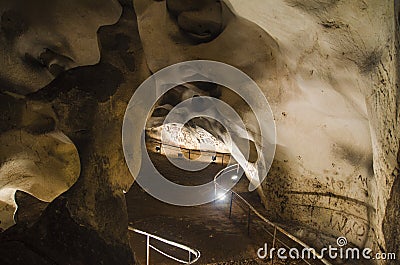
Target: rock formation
<point>88,223</point>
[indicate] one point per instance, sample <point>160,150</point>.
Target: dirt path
<point>207,228</point>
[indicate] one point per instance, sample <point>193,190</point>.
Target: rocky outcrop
<point>29,208</point>
<point>57,238</point>
<point>88,223</point>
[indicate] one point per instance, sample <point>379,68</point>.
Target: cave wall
<point>336,178</point>
<point>391,174</point>
<point>88,224</point>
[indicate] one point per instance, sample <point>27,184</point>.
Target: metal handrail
<point>153,140</point>
<point>275,226</point>
<point>193,256</point>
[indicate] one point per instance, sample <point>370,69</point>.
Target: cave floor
<point>207,228</point>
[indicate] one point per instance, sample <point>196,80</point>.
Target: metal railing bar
<point>164,240</point>
<point>268,232</point>
<point>169,256</point>
<point>191,251</point>
<point>283,231</point>
<point>183,148</point>
<point>147,249</point>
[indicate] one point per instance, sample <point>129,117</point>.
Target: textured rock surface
<point>29,208</point>
<point>37,45</point>
<point>191,138</point>
<point>34,157</point>
<point>88,223</point>
<point>390,169</point>
<point>340,54</point>
<point>58,239</point>
<point>44,165</point>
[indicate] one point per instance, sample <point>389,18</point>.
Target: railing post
<point>230,205</point>
<point>273,245</point>
<point>147,250</point>
<point>215,193</point>
<point>189,154</point>
<point>149,247</point>
<point>248,222</point>
<point>222,159</point>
